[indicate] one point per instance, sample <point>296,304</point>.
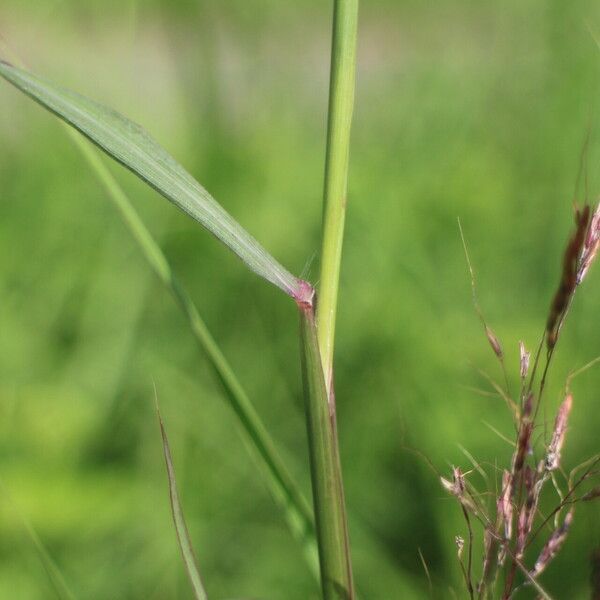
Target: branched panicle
<point>513,520</point>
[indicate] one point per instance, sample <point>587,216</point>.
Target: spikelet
<point>569,276</point>
<point>553,545</point>
<point>558,435</point>
<point>524,361</point>
<point>590,246</point>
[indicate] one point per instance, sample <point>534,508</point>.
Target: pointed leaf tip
<point>183,536</point>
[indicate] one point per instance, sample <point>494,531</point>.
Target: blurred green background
<point>470,109</point>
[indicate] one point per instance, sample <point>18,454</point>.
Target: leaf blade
<point>130,145</point>
<point>185,544</point>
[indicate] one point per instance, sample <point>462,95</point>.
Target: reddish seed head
<point>494,342</point>
<point>524,435</point>
<point>523,442</point>
<point>553,545</point>
<point>590,246</point>
<point>533,486</point>
<point>558,435</point>
<point>569,276</point>
<point>505,507</point>
<point>521,532</point>
<point>524,362</point>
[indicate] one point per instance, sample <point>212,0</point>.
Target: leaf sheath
<point>326,475</point>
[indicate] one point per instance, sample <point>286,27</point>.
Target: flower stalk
<point>341,105</point>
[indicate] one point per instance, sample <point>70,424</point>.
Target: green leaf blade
<point>185,544</point>
<point>130,145</point>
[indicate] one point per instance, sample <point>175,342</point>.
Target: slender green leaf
<point>326,475</point>
<point>258,440</point>
<point>185,544</point>
<point>133,147</point>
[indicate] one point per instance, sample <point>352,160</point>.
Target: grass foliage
<point>461,110</point>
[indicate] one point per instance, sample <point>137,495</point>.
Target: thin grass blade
<point>185,544</point>
<point>326,475</point>
<point>130,145</point>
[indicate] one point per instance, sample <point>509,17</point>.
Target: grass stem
<point>318,329</point>
<point>325,468</point>
<point>341,103</point>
